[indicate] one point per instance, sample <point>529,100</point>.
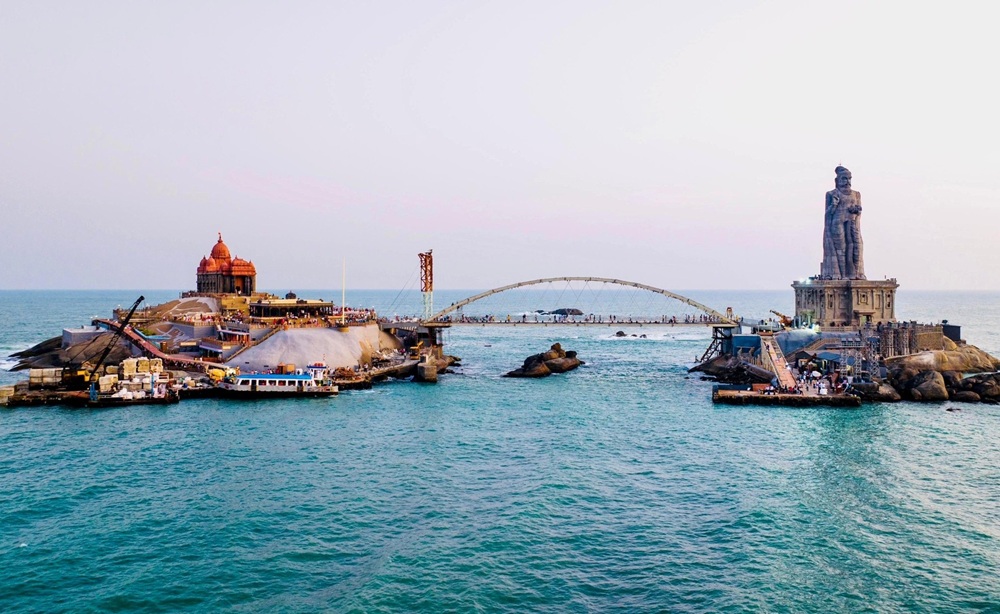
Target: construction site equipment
<point>786,321</point>
<point>427,281</point>
<point>92,374</point>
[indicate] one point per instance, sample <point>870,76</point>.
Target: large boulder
<point>901,378</point>
<point>876,391</point>
<point>966,396</point>
<point>940,374</point>
<point>964,359</point>
<point>887,393</point>
<point>986,385</point>
<point>928,386</point>
<point>531,368</point>
<point>555,360</point>
<point>952,380</point>
<point>554,353</point>
<point>562,365</point>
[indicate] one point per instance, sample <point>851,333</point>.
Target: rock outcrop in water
<point>556,360</point>
<point>961,373</point>
<point>50,353</point>
<point>877,392</point>
<point>939,375</point>
<point>732,370</point>
<point>566,311</point>
<point>963,359</point>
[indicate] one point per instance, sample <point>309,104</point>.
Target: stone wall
<point>845,302</point>
<point>909,338</point>
<point>930,339</point>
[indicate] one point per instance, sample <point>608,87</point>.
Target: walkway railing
<point>151,350</point>
<point>775,362</point>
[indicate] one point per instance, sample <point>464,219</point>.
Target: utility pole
<point>427,282</point>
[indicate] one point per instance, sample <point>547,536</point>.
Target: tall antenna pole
<point>427,282</point>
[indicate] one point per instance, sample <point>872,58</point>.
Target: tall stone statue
<point>843,250</point>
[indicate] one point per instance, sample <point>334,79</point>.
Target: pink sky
<point>683,145</point>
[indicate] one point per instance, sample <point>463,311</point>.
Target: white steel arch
<point>621,282</point>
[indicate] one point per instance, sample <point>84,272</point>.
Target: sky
<point>685,145</point>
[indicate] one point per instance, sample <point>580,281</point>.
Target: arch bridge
<point>718,317</point>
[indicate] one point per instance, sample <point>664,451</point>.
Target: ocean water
<point>617,487</point>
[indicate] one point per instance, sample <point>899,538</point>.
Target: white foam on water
<point>7,365</point>
<point>662,336</point>
<point>7,350</point>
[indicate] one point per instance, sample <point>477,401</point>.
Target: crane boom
<point>114,339</point>
<point>786,321</point>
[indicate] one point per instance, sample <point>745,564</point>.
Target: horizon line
<point>733,289</point>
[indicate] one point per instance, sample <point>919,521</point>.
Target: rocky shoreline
<point>963,373</point>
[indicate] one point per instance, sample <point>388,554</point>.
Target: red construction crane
<point>427,282</point>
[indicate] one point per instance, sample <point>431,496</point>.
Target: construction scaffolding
<point>856,354</point>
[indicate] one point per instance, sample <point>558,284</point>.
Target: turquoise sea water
<point>615,487</point>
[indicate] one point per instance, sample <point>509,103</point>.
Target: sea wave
<point>661,335</point>
<point>8,362</point>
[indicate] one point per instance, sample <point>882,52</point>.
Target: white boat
<point>314,381</point>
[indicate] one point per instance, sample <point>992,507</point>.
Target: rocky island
<point>845,339</point>
<point>223,327</point>
<point>556,360</point>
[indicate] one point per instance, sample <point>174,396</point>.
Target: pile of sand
<point>303,346</point>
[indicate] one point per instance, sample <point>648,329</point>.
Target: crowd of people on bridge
<point>552,318</point>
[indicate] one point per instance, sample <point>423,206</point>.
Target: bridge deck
<point>597,281</point>
<point>784,373</point>
<point>530,323</point>
<point>151,351</point>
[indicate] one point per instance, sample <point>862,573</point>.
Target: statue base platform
<point>845,303</point>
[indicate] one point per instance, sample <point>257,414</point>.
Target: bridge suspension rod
<point>687,301</point>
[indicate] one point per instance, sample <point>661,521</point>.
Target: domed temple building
<point>220,273</point>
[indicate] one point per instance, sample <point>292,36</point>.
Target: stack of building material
<point>44,378</point>
<point>128,369</point>
<point>107,383</point>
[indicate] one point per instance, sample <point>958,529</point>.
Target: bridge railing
<point>714,315</point>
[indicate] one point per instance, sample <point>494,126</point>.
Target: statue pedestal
<point>848,303</point>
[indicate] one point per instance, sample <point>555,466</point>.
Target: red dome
<point>221,273</point>
<point>242,267</point>
<point>220,252</point>
<point>208,265</point>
